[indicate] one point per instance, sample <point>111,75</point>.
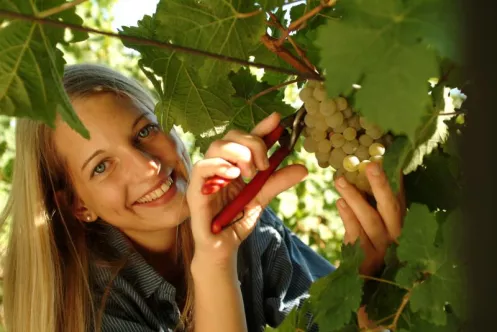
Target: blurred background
<point>308,209</point>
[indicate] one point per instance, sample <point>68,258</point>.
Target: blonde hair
<point>46,281</point>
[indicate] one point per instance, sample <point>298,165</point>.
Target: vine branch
<point>165,45</point>
<point>273,88</point>
<point>385,281</point>
<point>247,15</point>
<point>58,9</point>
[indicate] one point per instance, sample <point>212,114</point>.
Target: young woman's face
<point>130,173</point>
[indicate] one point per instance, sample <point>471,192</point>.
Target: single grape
<point>323,164</point>
<point>377,159</point>
<point>376,149</point>
<point>375,132</point>
<point>313,84</point>
<point>338,173</point>
<point>364,123</point>
<point>341,103</point>
<point>310,145</point>
<point>362,183</point>
<point>337,140</point>
<point>362,153</point>
<point>353,122</point>
<point>321,124</point>
<point>312,106</point>
<point>318,135</point>
<point>363,165</point>
<point>319,93</point>
<point>351,163</point>
<point>350,146</point>
<point>306,94</point>
<point>310,120</point>
<point>324,146</point>
<point>365,140</point>
<point>336,157</point>
<point>322,156</point>
<point>349,133</point>
<point>347,113</point>
<point>327,107</point>
<point>340,129</point>
<point>351,177</point>
<point>334,120</point>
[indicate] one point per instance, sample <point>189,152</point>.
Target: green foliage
<point>32,66</point>
<point>390,48</point>
<point>387,48</point>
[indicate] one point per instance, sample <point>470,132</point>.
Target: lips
<point>160,191</point>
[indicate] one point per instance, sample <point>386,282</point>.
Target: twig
<point>383,281</point>
<point>247,15</point>
<point>297,48</point>
<point>379,321</point>
<point>144,41</point>
<point>273,88</point>
<point>58,9</point>
<point>296,24</point>
<point>451,113</point>
<point>403,304</point>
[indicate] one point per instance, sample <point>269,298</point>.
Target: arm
<point>218,299</point>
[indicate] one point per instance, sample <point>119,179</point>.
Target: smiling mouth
<point>157,193</point>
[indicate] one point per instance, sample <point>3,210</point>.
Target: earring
<point>88,218</point>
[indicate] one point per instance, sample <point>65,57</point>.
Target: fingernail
<point>266,163</point>
<point>234,171</point>
<point>341,182</point>
<point>342,203</point>
<point>375,169</point>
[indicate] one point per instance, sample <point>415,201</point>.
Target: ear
<point>77,207</point>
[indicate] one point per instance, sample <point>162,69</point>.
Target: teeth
<point>157,193</point>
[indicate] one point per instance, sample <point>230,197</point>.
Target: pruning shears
<point>286,133</point>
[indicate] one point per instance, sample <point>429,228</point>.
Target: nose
<point>142,165</point>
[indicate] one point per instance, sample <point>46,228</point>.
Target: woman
<point>113,233</point>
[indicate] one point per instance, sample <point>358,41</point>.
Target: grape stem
<point>55,10</point>
<point>164,45</point>
<point>300,21</point>
<point>385,281</point>
<point>298,49</point>
<point>396,316</point>
<point>273,88</point>
<point>247,15</point>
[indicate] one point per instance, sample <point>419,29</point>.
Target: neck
<point>159,248</point>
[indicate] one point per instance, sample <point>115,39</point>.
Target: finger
<point>235,153</point>
<point>254,143</point>
<point>267,125</point>
<point>387,203</point>
<point>352,226</point>
<point>368,217</point>
<point>280,181</point>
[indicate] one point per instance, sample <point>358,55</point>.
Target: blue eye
<point>99,169</point>
<point>147,130</point>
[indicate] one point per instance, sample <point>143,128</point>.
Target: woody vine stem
<point>305,71</point>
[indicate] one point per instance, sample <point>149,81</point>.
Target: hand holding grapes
<point>376,228</point>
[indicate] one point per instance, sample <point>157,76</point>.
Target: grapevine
<point>380,81</point>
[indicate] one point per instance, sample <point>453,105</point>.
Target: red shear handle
<point>213,184</point>
<point>226,216</point>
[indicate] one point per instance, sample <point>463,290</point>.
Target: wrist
<point>204,263</point>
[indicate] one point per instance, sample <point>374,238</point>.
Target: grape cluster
<point>340,137</point>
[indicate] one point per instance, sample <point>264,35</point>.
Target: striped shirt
<point>275,271</point>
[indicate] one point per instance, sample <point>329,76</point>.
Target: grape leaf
<point>412,322</point>
<point>296,320</point>
<point>442,281</point>
<point>263,55</point>
<point>336,297</point>
<point>216,26</point>
<point>184,100</point>
<point>377,46</point>
<point>247,115</point>
<point>433,185</point>
<point>405,156</point>
<point>32,67</point>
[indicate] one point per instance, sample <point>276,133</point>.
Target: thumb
<point>280,181</point>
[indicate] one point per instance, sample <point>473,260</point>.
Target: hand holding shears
<point>286,133</point>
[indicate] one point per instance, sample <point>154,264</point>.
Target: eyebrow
<point>96,153</point>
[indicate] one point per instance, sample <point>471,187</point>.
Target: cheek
<point>107,199</point>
